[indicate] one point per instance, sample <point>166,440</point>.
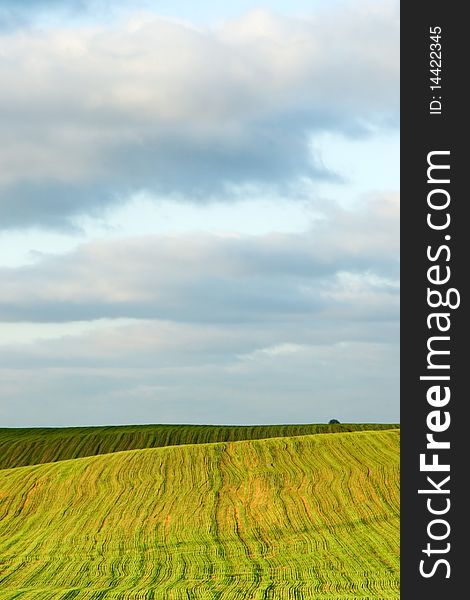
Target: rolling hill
<point>21,447</point>
<point>307,517</point>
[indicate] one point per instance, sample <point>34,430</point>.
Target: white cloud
<point>94,113</point>
<point>276,350</point>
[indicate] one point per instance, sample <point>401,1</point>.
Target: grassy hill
<point>20,447</point>
<point>307,517</point>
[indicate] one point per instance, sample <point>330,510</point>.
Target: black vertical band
<point>434,258</point>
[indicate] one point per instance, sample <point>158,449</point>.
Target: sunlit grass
<point>314,516</point>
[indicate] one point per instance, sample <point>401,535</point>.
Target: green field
<point>20,447</point>
<point>306,516</point>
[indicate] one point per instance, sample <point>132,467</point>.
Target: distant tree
<point>333,422</point>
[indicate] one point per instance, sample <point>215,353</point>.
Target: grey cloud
<point>89,116</point>
<point>191,168</point>
<point>51,203</point>
<point>347,262</point>
<point>352,381</point>
<point>16,13</point>
<point>21,14</point>
<point>169,345</point>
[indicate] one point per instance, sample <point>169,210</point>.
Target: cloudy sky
<point>199,212</point>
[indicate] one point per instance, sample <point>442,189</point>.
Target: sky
<point>199,212</point>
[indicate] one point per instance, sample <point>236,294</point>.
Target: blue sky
<point>199,212</point>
